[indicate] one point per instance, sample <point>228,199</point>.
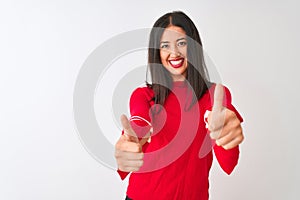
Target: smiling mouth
<point>176,63</point>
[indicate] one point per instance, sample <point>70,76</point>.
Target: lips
<point>176,63</point>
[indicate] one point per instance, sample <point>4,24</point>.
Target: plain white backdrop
<point>255,46</point>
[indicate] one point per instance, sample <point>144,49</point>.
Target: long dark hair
<point>197,74</point>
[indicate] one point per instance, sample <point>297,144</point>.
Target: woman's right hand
<point>128,149</point>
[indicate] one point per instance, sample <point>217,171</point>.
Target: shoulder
<point>142,93</point>
<point>208,96</point>
<point>141,101</point>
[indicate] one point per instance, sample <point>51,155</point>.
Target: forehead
<point>172,33</point>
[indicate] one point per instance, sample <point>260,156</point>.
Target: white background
<point>254,45</point>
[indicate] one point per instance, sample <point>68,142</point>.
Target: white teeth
<point>175,62</point>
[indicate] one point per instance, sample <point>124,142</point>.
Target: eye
<point>181,43</point>
<point>164,46</point>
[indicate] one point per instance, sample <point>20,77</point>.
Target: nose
<point>174,51</point>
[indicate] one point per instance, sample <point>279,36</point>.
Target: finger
<point>219,133</point>
<point>123,144</point>
<point>129,165</point>
<point>128,131</point>
<point>215,134</point>
<point>230,117</point>
<point>130,147</point>
<point>144,140</point>
<point>235,142</point>
<point>129,169</point>
<point>218,98</point>
<point>231,129</point>
<point>123,155</point>
<point>131,138</point>
<point>217,116</point>
<point>223,130</point>
<point>221,141</point>
<point>133,163</point>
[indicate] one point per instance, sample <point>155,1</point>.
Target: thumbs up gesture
<point>128,149</point>
<point>223,124</point>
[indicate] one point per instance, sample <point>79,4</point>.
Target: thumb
<point>128,131</point>
<point>217,117</point>
<point>218,98</point>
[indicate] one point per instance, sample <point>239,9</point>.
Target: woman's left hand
<point>223,124</point>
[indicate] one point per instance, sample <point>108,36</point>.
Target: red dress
<point>178,158</point>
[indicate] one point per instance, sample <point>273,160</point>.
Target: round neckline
<point>179,83</point>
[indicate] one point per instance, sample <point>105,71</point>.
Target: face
<point>173,52</point>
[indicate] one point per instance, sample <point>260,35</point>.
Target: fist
<point>128,149</point>
<point>223,124</point>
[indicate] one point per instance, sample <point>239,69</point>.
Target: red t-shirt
<point>178,158</point>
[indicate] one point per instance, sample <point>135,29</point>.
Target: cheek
<point>163,57</point>
<point>184,52</point>
<point>185,56</point>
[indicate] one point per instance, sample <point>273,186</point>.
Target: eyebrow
<point>176,40</point>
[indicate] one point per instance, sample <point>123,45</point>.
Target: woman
<point>176,120</point>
